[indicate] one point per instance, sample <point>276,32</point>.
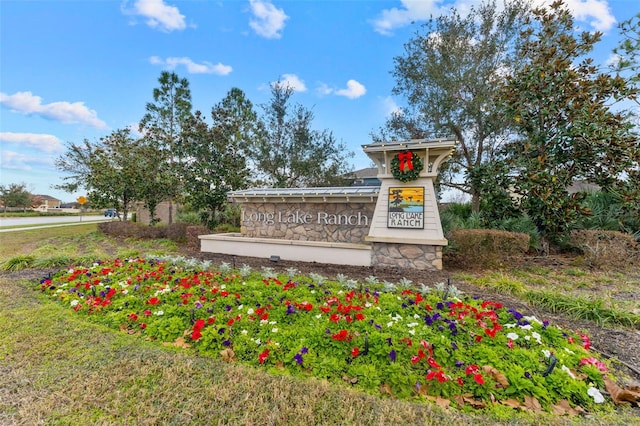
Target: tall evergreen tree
<point>287,152</point>
<point>561,106</point>
<point>162,126</point>
<point>214,157</point>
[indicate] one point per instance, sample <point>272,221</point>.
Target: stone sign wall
<point>305,221</point>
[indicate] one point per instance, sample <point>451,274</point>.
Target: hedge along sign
<point>300,217</point>
<point>406,207</point>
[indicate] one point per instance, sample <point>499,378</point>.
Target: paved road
<point>47,221</point>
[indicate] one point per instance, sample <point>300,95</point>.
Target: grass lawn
<point>56,368</point>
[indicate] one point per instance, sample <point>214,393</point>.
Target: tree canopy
<point>448,75</point>
<point>562,108</point>
<point>287,152</point>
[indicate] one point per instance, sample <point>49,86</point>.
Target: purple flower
<point>428,320</point>
<point>226,343</point>
<point>221,331</point>
<point>440,305</point>
<point>392,355</point>
<point>527,375</point>
<point>290,310</point>
<point>515,313</point>
<point>389,341</point>
<point>459,364</point>
<point>454,346</point>
<point>378,326</point>
<point>545,324</point>
<point>136,287</point>
<point>298,358</point>
<point>228,308</point>
<point>198,305</point>
<point>304,350</point>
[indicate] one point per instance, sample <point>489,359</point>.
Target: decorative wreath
<point>406,166</point>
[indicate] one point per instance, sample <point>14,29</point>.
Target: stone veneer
<point>407,256</point>
<point>306,221</point>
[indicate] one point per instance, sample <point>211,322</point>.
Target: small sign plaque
<point>406,207</point>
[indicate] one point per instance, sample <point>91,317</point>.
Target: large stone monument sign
<point>394,225</point>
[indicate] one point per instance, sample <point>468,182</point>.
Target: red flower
<point>195,334</point>
<point>263,356</point>
<point>143,326</point>
<point>355,352</point>
<point>359,317</point>
<point>471,369</point>
<point>432,362</point>
<point>341,335</point>
<point>198,324</point>
<point>415,359</point>
<point>153,301</point>
<point>510,343</point>
<point>133,316</point>
<point>460,382</point>
<point>334,318</point>
<point>478,378</point>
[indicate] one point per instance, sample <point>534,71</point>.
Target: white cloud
<point>12,160</point>
<point>268,21</point>
<point>160,15</point>
<point>39,141</point>
<point>390,107</point>
<point>64,112</point>
<point>594,12</point>
<point>192,67</point>
<point>291,81</point>
<point>411,10</point>
<point>354,90</point>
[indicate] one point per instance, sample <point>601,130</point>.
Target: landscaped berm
<point>157,335</point>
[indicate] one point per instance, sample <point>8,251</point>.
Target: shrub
<point>486,247</point>
<point>606,249</point>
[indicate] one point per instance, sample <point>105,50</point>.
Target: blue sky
<point>71,70</point>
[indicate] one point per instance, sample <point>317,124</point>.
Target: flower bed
<point>390,339</point>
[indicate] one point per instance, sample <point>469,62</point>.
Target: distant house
<point>366,177</point>
<point>45,202</point>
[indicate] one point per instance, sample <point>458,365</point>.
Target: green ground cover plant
<point>381,338</point>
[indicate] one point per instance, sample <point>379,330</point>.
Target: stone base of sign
<point>406,256</point>
<point>296,250</point>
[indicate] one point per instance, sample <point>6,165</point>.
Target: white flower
<point>273,322</point>
<point>416,316</point>
<point>223,286</point>
<point>258,341</point>
<point>526,327</point>
<point>527,338</point>
<point>158,313</point>
<point>510,325</point>
<point>274,330</point>
<point>244,332</point>
<point>240,307</point>
<point>390,323</point>
<point>412,331</point>
<point>74,302</point>
<point>569,350</point>
<point>368,305</point>
<point>512,336</point>
<point>532,319</point>
<point>537,337</point>
<point>596,395</point>
<point>318,316</point>
<point>566,369</point>
<point>412,324</point>
<point>125,291</point>
<point>263,322</point>
<point>546,353</point>
<point>250,311</point>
